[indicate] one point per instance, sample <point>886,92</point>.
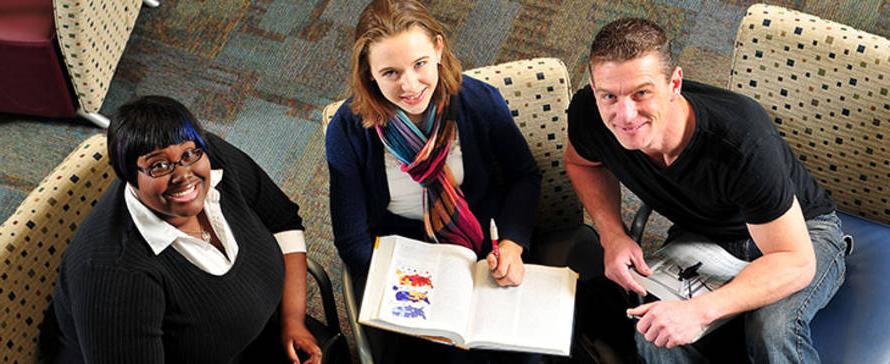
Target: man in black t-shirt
<point>711,162</point>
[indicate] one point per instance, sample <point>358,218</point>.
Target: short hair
<point>628,38</point>
<point>386,18</point>
<point>145,124</point>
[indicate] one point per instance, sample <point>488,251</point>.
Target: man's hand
<point>295,337</point>
<point>507,270</point>
<point>622,255</point>
<point>669,323</point>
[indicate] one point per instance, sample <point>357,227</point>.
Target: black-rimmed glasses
<point>163,167</point>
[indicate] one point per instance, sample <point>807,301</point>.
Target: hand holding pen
<point>505,259</point>
<point>493,233</point>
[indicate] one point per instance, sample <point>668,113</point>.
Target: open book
<point>440,292</point>
<point>682,271</point>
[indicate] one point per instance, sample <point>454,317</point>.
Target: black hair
<point>145,124</point>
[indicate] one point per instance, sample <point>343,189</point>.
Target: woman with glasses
<point>181,259</point>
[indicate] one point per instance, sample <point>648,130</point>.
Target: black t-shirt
<point>736,169</point>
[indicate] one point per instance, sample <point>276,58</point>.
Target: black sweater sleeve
<point>273,207</point>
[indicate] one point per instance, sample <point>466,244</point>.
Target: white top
<point>405,195</point>
<point>159,234</point>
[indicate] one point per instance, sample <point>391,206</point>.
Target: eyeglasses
<point>162,168</point>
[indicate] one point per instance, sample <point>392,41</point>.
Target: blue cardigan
<point>501,179</point>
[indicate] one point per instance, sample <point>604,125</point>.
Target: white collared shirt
<point>159,234</point>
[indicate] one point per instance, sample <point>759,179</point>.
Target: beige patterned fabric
<point>826,87</point>
<point>329,112</point>
<point>537,93</point>
<point>32,241</point>
<point>92,35</point>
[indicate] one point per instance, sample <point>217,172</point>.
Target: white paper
<point>706,266</point>
<point>537,314</point>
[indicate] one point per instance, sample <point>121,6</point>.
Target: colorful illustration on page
<point>414,280</point>
<point>411,293</point>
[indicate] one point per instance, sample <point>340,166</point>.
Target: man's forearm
<point>765,280</point>
<point>600,194</point>
<point>788,265</point>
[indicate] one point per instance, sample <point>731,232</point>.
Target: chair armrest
<point>327,293</point>
<point>639,224</point>
<point>361,340</point>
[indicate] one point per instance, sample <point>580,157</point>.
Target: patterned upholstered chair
<point>34,238</point>
<point>90,36</point>
<point>537,93</point>
<point>826,87</point>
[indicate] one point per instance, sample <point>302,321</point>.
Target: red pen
<point>493,233</point>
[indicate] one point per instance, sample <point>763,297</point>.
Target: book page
<point>681,271</point>
<point>536,316</point>
<point>427,286</point>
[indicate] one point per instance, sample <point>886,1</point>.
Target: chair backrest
<point>92,36</point>
<point>32,241</point>
<point>826,87</point>
<point>537,93</point>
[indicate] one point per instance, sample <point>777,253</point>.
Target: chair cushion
<point>853,327</point>
<point>27,25</point>
<point>32,79</point>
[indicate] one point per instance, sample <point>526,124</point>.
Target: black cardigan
<point>117,302</point>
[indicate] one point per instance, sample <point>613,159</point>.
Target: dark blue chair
<point>853,327</point>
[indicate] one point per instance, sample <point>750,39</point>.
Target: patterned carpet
<point>258,73</point>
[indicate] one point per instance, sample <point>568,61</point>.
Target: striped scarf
<point>422,152</point>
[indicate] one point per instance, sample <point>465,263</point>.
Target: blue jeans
<point>779,332</point>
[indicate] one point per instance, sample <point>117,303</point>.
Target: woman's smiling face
<point>404,66</point>
<point>178,195</point>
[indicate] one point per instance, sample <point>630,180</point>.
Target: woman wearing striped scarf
<point>421,151</point>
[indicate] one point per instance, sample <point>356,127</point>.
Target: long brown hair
<point>386,18</point>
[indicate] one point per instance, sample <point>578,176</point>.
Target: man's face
<point>633,98</point>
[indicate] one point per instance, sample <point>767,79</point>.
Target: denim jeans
<point>779,332</point>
